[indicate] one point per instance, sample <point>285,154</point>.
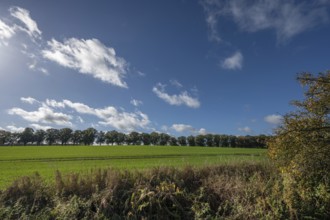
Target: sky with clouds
<point>178,67</point>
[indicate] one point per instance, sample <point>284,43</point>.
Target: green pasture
<point>20,161</point>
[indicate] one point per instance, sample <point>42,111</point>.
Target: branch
<point>322,80</point>
<point>307,129</point>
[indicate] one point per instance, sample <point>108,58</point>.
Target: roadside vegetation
<point>293,184</point>
<point>245,191</point>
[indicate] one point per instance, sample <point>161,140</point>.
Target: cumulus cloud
<point>136,102</point>
<point>13,128</point>
<point>43,115</point>
<point>108,116</point>
<point>79,107</point>
<point>29,100</point>
<point>23,15</point>
<point>202,131</point>
<point>180,128</point>
<point>274,119</point>
<point>233,62</point>
<point>245,129</point>
<point>181,99</point>
<point>89,57</point>
<point>286,18</point>
<point>125,120</point>
<point>53,103</point>
<point>183,128</point>
<point>40,127</point>
<point>111,116</point>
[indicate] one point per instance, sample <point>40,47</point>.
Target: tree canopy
<point>90,136</point>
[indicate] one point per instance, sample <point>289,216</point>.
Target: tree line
<point>90,136</point>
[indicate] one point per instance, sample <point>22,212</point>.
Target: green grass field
<point>20,161</point>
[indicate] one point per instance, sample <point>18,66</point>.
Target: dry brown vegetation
<point>295,186</point>
<point>245,191</point>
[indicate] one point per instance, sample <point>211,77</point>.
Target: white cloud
<point>88,57</point>
<point>233,62</point>
<point>13,128</point>
<point>40,127</point>
<point>110,116</point>
<point>6,32</point>
<point>29,100</point>
<point>188,128</point>
<point>183,128</point>
<point>80,119</point>
<point>287,18</point>
<point>44,115</point>
<point>176,83</point>
<point>123,120</point>
<point>53,103</point>
<point>34,65</point>
<point>136,102</point>
<point>182,99</point>
<point>202,131</point>
<point>43,70</point>
<point>212,20</point>
<point>274,119</point>
<point>24,16</point>
<point>142,74</point>
<point>21,22</point>
<point>245,129</point>
<point>79,107</point>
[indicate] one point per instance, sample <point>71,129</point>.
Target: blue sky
<point>179,67</point>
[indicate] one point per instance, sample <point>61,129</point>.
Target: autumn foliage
<point>301,149</point>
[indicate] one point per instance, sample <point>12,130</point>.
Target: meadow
<point>17,161</point>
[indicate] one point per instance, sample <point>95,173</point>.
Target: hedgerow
<point>242,191</point>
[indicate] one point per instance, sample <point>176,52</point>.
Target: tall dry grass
<point>242,191</point>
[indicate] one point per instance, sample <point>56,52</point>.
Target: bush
<point>26,196</point>
<point>301,150</point>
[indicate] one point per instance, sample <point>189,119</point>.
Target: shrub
<point>26,196</point>
<point>301,150</point>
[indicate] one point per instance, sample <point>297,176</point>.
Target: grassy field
<point>20,161</point>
